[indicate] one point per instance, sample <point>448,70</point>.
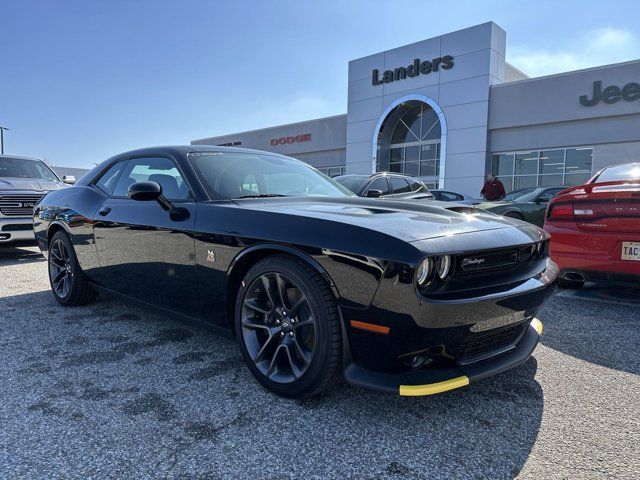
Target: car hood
<point>408,221</point>
<point>29,184</point>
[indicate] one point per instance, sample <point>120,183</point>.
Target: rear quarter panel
<point>71,209</point>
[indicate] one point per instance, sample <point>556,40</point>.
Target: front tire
<point>68,283</point>
<point>288,327</point>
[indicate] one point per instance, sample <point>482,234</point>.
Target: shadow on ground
<point>109,389</point>
<point>598,332</point>
<point>18,255</point>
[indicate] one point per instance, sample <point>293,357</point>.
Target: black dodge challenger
<point>314,283</point>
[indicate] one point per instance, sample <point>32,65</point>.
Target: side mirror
<point>69,179</point>
<point>145,191</point>
<point>543,200</point>
<point>374,193</point>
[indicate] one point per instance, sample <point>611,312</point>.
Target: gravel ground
<point>109,390</point>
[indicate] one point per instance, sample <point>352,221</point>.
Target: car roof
<point>186,149</point>
<point>377,174</point>
<point>18,157</point>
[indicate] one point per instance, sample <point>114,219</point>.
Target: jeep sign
<point>611,94</point>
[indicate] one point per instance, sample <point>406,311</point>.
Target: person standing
<point>493,189</point>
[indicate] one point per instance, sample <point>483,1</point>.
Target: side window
<point>379,184</point>
<point>416,186</point>
<point>451,197</point>
<point>553,192</point>
<point>549,194</point>
<point>160,170</point>
<point>107,180</point>
<point>399,185</point>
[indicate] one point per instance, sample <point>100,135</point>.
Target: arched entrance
<point>410,138</point>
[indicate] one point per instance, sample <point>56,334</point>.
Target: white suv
<point>23,182</point>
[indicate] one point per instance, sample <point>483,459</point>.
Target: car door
<point>144,251</point>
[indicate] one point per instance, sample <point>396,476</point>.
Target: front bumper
<point>16,230</point>
<point>431,381</point>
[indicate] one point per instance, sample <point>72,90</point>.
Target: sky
<point>81,81</point>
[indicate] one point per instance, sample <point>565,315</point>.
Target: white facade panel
<point>364,110</point>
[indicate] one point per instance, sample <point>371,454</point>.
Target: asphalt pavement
<point>111,391</point>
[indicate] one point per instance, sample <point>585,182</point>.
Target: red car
<point>595,228</point>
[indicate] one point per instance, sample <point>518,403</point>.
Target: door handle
<point>104,211</point>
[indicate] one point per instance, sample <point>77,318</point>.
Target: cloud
<point>598,47</point>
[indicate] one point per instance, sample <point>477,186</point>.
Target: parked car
<point>595,228</point>
<point>449,196</point>
<point>527,204</point>
<point>385,185</point>
<point>23,182</point>
<point>313,281</point>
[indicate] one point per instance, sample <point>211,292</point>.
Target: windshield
<point>352,182</point>
<point>245,175</point>
<point>630,171</point>
<point>25,168</point>
<point>522,195</point>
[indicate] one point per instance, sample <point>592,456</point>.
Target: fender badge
<point>211,256</point>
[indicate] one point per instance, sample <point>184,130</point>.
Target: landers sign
<point>416,68</point>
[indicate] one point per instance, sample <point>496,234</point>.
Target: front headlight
<point>443,266</point>
<point>424,272</point>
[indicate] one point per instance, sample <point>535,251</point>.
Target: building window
<point>333,171</point>
<point>545,168</point>
<point>409,142</point>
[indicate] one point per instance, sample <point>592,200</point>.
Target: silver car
<point>23,182</point>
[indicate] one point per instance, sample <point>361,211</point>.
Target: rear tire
<point>288,327</point>
<point>564,283</point>
<point>68,283</point>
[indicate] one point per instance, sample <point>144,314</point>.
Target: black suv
<point>385,185</point>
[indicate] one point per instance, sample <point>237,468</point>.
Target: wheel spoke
<point>304,355</point>
<point>296,306</point>
<point>58,262</point>
<point>273,362</point>
<point>59,276</point>
<point>56,254</point>
<point>253,325</point>
<point>295,370</point>
<point>263,349</point>
<point>305,323</point>
<point>282,290</point>
<point>266,284</point>
<point>255,307</point>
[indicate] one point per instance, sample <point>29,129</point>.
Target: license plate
<point>631,251</point>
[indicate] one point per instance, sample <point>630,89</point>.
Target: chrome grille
<point>18,205</point>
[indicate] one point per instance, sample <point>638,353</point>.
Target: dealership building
<point>450,109</point>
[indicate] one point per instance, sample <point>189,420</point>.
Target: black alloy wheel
<point>68,283</point>
<point>60,269</point>
<point>278,328</point>
<point>288,327</point>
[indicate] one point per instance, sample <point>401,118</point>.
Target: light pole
<point>2,129</point>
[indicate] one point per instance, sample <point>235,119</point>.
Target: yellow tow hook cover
<point>537,324</point>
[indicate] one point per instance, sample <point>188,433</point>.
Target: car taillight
<point>583,213</point>
<point>561,212</point>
